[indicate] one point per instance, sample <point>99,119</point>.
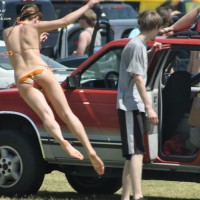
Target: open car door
<point>153,89</point>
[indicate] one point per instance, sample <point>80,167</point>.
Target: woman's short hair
<point>90,17</point>
<point>149,20</point>
<point>30,11</point>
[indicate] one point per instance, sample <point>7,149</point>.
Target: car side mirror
<point>72,81</point>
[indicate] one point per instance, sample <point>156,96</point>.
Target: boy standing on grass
<point>133,102</point>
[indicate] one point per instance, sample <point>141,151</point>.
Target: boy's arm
<point>153,118</point>
<point>155,45</point>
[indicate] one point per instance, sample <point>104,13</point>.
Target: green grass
<point>55,187</point>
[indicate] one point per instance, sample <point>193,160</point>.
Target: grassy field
<point>56,187</point>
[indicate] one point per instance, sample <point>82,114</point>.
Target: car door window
<point>103,73</point>
<point>73,41</point>
<point>181,83</point>
<point>178,60</point>
<point>183,60</point>
<point>74,37</point>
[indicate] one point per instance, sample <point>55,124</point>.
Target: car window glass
<point>6,66</point>
<point>12,12</point>
<point>177,61</point>
<point>182,60</point>
<point>63,8</point>
<point>193,64</point>
<point>118,11</point>
<point>52,63</point>
<point>4,60</point>
<point>104,35</point>
<point>104,72</point>
<point>73,41</point>
<point>126,33</point>
<point>74,36</point>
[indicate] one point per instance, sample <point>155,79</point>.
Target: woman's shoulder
<point>7,29</point>
<point>6,32</point>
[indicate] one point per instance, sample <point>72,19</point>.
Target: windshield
<point>4,60</point>
<point>52,63</point>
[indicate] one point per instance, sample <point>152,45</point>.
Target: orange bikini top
<point>7,53</point>
<point>11,53</point>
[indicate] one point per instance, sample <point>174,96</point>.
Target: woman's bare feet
<point>71,150</point>
<point>97,163</point>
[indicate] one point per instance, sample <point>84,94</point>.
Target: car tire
<point>21,164</point>
<point>94,185</point>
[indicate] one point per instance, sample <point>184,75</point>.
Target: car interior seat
<point>176,99</point>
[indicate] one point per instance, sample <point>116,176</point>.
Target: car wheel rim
<point>10,167</point>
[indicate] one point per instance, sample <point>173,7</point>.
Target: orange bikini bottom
<point>31,76</point>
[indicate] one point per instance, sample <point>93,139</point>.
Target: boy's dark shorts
<point>132,128</point>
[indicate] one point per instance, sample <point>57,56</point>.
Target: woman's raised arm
<point>45,26</point>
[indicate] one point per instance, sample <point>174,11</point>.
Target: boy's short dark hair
<point>149,20</point>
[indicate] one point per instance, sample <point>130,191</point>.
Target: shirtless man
<point>23,45</point>
<point>87,22</point>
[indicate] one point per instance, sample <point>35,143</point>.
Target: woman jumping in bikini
<point>23,45</point>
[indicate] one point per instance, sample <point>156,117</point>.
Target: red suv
<point>28,152</point>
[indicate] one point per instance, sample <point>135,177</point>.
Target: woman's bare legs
<point>32,96</point>
<point>54,93</point>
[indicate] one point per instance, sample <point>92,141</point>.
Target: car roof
<point>177,40</point>
<point>164,40</point>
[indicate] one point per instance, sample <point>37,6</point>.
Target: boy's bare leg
<point>126,181</point>
<point>136,174</point>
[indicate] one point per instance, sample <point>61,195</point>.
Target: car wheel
<point>21,164</point>
<point>92,185</point>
